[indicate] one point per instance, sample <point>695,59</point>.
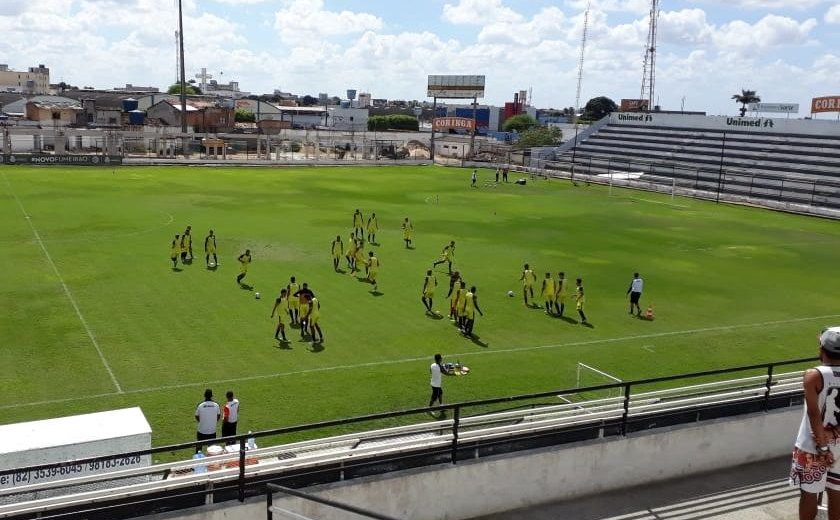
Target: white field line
<point>661,202</point>
<point>64,286</point>
<point>418,359</point>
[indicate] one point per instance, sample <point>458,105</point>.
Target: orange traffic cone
<point>649,313</point>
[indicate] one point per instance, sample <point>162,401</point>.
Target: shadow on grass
<point>434,315</point>
<point>477,340</point>
<point>284,344</point>
<point>213,268</point>
<point>316,348</point>
<point>176,270</point>
<point>567,319</point>
<point>246,287</point>
<point>340,271</point>
<point>588,325</point>
<point>376,293</point>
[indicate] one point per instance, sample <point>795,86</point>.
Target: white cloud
<point>766,4</point>
<point>833,14</point>
<point>307,20</point>
<point>479,12</point>
<point>240,2</point>
<point>770,31</point>
<point>688,26</point>
<point>632,6</point>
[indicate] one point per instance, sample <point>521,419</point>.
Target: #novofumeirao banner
<point>61,160</point>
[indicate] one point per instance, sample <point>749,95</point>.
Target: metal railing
<point>476,428</point>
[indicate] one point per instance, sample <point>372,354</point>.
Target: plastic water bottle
<point>200,468</point>
<point>251,442</point>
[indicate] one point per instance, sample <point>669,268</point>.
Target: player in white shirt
<point>230,415</point>
<point>436,370</point>
<point>206,416</point>
<point>635,292</point>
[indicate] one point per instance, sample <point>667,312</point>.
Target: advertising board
<point>61,160</point>
<point>456,123</point>
<point>825,104</point>
<point>775,108</point>
<point>634,105</point>
<point>456,87</point>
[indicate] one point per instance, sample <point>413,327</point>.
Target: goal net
<point>587,376</point>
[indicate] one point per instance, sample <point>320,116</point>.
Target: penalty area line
<point>424,358</point>
<point>67,292</point>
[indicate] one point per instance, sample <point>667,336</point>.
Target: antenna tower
<point>177,58</point>
<point>580,63</point>
<point>649,66</point>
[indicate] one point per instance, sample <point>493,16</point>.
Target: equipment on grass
<point>510,293</point>
<point>649,313</point>
<point>212,264</point>
<point>257,295</point>
<point>587,375</point>
<point>521,182</point>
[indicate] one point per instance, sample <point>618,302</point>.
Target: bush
<point>393,122</point>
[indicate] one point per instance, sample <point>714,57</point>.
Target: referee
<point>635,292</point>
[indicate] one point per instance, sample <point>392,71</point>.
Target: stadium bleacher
<point>796,161</point>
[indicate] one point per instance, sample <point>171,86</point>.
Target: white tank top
<point>828,401</point>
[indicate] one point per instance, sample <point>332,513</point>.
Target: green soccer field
<point>95,318</point>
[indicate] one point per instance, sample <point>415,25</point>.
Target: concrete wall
<point>502,483</point>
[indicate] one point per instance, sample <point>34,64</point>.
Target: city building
<point>132,89</point>
<point>365,100</point>
<point>202,117</point>
<point>52,110</point>
<point>348,119</point>
<point>230,89</point>
<point>35,81</point>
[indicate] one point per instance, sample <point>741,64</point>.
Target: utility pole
<point>580,62</point>
<point>183,72</point>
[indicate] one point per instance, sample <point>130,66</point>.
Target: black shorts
<point>634,297</point>
<point>437,393</point>
<point>228,429</point>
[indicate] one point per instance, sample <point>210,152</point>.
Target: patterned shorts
<point>811,474</point>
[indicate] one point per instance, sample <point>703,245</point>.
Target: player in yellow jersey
<point>304,296</point>
<point>580,298</point>
<point>210,249</point>
<point>313,318</point>
<point>359,257</point>
<point>373,270</point>
<point>560,293</point>
<point>372,228</point>
<point>528,278</point>
<point>429,286</point>
<point>337,250</point>
<point>244,262</point>
<point>455,300</point>
<point>358,224</point>
<point>408,232</point>
<point>174,251</point>
<point>294,302</point>
<point>461,308</point>
<point>547,293</point>
<point>470,307</point>
<point>446,256</point>
<point>186,244</point>
<point>281,307</point>
<point>350,254</point>
<point>188,231</point>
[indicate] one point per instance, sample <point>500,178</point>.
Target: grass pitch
<point>95,318</point>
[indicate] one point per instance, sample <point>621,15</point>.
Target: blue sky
<point>787,50</point>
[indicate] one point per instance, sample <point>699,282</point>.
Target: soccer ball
<point>257,295</point>
<point>510,293</point>
<point>212,264</point>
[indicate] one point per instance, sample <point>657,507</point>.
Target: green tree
<point>309,101</point>
<point>519,123</point>
<point>175,88</point>
<point>540,136</point>
<point>745,98</point>
<point>598,107</point>
<point>244,116</point>
<point>393,122</point>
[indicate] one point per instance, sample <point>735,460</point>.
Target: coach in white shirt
<point>206,415</point>
<point>635,292</point>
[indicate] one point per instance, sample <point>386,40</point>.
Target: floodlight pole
<point>720,170</point>
<point>432,141</point>
<point>183,75</point>
<point>474,128</point>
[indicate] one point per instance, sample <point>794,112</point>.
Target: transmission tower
<point>580,62</point>
<point>649,67</point>
<point>177,57</point>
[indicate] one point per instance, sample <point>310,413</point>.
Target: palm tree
<point>745,98</point>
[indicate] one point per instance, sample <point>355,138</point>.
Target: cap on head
<point>830,340</point>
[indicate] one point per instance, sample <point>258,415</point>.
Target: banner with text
<point>453,123</point>
<point>776,108</point>
<point>61,160</point>
<point>825,104</point>
<point>725,123</point>
<point>634,105</point>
